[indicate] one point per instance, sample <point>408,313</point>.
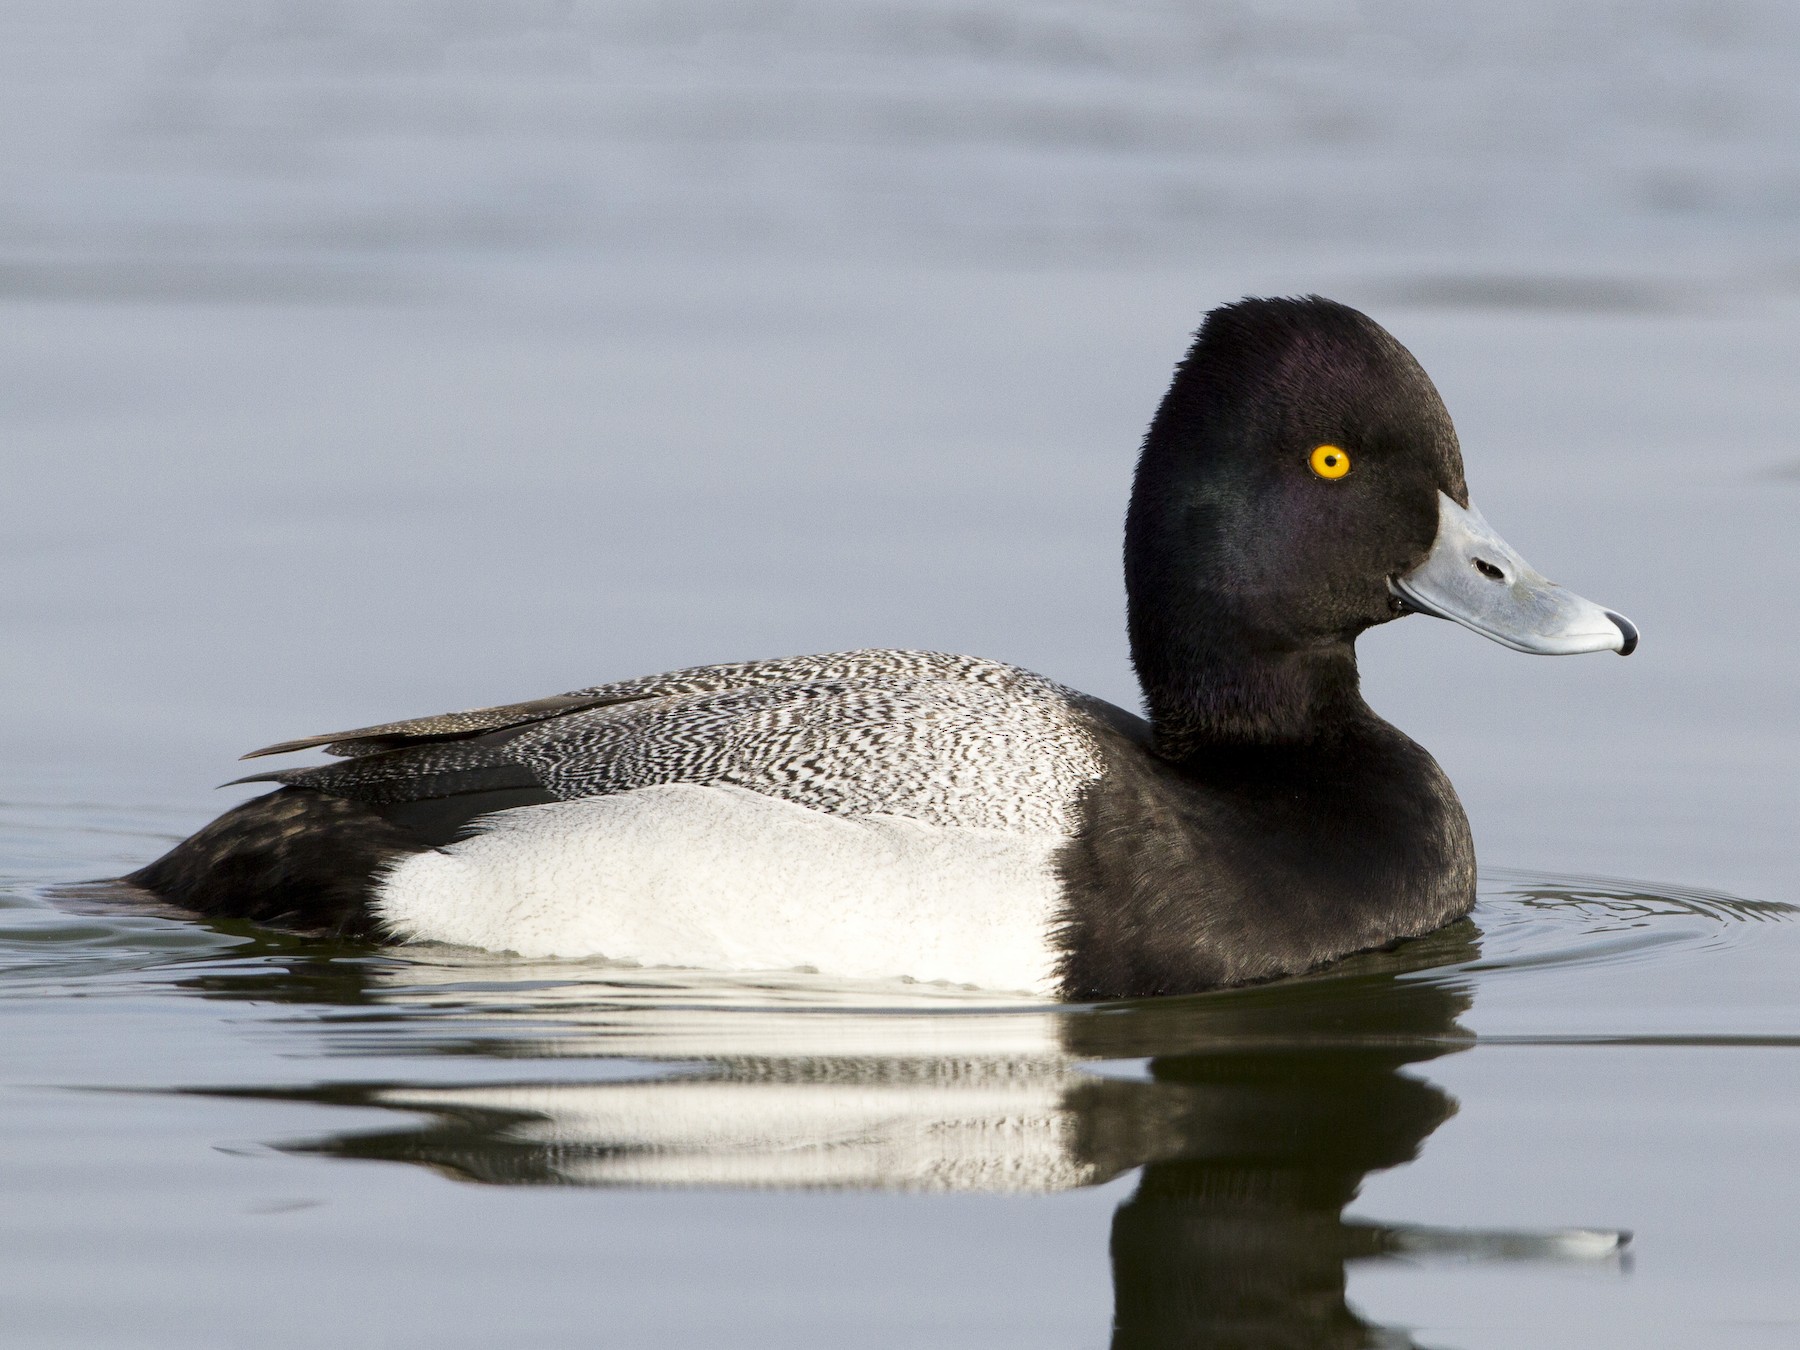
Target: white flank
<point>727,879</point>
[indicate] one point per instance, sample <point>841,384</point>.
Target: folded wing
<point>944,739</point>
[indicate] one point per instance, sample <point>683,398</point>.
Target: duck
<point>923,816</point>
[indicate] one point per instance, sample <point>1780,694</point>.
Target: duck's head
<point>1301,482</point>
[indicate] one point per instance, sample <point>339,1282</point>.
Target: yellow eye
<point>1328,461</point>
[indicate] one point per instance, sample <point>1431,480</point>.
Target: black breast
<point>1245,863</point>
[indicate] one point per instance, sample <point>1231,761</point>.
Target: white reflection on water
<point>1251,1117</point>
<point>794,1080</point>
<point>1244,1123</point>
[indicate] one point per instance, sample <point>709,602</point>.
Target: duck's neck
<point>1206,696</point>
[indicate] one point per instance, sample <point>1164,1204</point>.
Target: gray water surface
<point>369,361</point>
<point>1470,1140</point>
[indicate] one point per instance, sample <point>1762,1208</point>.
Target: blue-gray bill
<point>1474,577</point>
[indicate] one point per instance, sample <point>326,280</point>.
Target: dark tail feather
<point>294,859</point>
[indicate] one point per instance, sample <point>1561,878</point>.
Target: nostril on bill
<point>1488,570</point>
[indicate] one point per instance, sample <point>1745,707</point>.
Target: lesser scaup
<point>897,813</point>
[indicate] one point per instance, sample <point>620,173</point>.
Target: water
<point>369,361</point>
<point>1450,1142</point>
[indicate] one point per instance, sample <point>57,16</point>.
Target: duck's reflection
<point>1235,1233</point>
<point>1254,1115</point>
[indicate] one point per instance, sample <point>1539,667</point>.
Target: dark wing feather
<point>876,663</point>
<point>432,789</point>
<point>443,727</point>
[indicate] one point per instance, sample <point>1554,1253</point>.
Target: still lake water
<point>226,1130</point>
<point>374,361</point>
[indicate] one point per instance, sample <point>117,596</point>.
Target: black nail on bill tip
<point>1629,629</point>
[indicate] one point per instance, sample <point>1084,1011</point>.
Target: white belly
<point>728,879</point>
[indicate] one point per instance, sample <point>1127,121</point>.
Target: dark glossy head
<point>1237,544</point>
